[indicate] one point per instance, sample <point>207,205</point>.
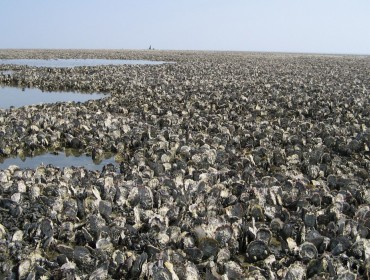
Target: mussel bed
<point>233,166</point>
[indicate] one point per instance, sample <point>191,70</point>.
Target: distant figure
<point>150,47</point>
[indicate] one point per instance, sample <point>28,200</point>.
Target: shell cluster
<point>232,166</point>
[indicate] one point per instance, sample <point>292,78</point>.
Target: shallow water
<point>60,160</point>
<point>75,62</point>
<point>17,97</point>
<point>6,72</point>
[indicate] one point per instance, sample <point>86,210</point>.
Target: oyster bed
<point>233,166</point>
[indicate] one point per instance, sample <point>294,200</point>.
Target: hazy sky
<point>324,26</point>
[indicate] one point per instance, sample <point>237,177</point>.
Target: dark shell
<point>339,245</point>
<point>310,220</point>
<point>314,237</point>
<point>82,255</point>
<point>195,254</point>
<point>223,234</point>
<point>235,211</point>
<point>276,225</point>
<point>141,196</point>
<point>105,208</point>
<point>264,234</point>
<point>257,212</point>
<point>161,273</point>
<point>208,246</point>
<point>307,251</point>
<point>257,250</point>
<point>47,228</point>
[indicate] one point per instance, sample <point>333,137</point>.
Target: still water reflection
<point>17,97</point>
<point>75,62</point>
<point>60,160</point>
<point>6,72</point>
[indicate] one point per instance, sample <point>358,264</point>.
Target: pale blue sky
<point>319,26</point>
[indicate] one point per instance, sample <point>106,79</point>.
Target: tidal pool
<point>58,160</point>
<point>6,72</point>
<point>18,97</point>
<point>75,62</point>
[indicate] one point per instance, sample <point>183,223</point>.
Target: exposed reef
<point>233,166</point>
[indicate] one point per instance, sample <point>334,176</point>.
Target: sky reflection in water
<point>60,160</point>
<point>17,97</point>
<point>76,62</point>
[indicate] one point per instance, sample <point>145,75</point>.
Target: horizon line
<point>200,50</point>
